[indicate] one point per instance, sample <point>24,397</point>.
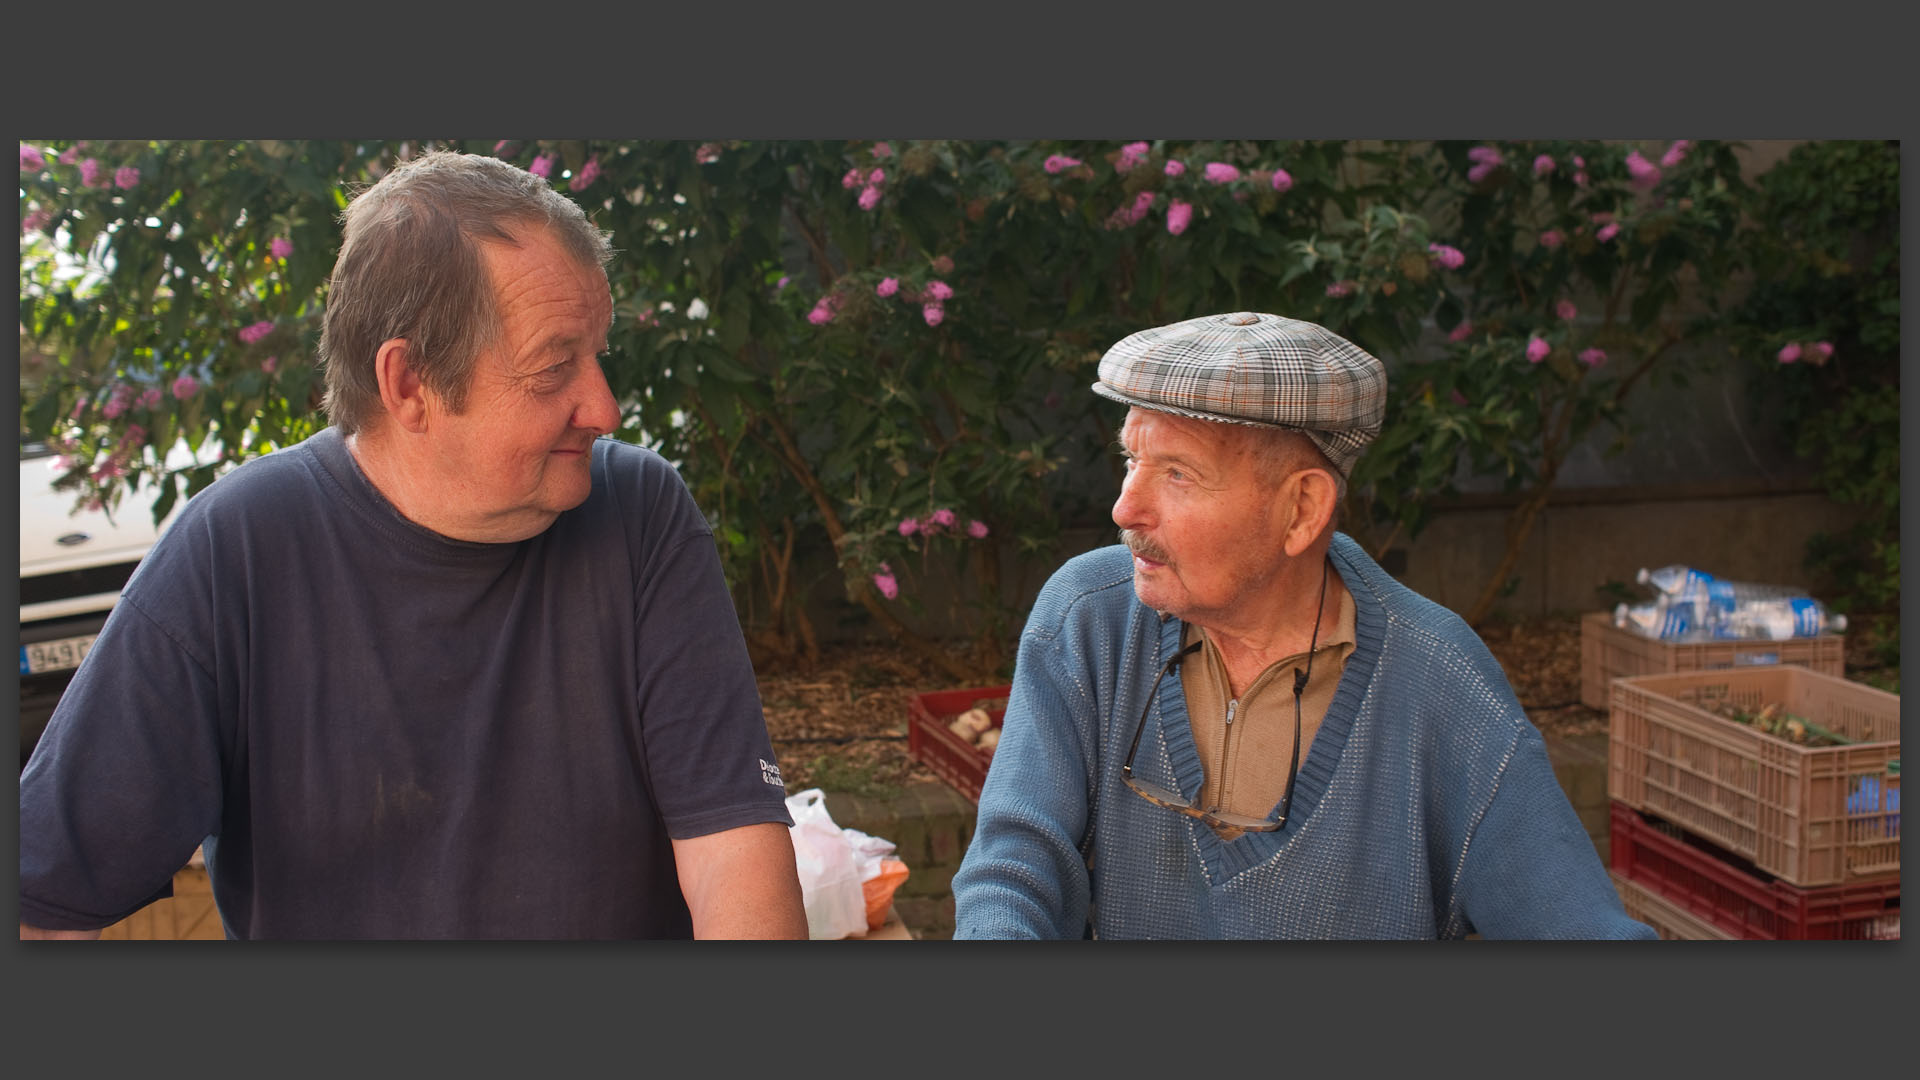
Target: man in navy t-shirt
<point>454,667</point>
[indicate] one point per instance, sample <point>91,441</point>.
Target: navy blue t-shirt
<point>385,733</point>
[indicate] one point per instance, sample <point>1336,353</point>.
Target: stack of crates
<point>1721,830</point>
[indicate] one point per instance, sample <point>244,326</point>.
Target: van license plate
<point>56,655</point>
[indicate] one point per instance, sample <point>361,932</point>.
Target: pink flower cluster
<point>542,166</point>
<point>1059,163</point>
<point>280,247</point>
<point>936,295</point>
<point>185,387</point>
<point>1179,215</point>
<point>1552,238</point>
<point>1675,154</point>
<point>1460,332</point>
<point>31,160</point>
<point>1537,349</point>
<point>1133,214</point>
<point>1339,289</point>
<point>882,149</point>
<point>939,522</point>
<point>36,219</point>
<point>588,173</point>
<point>1485,159</point>
<point>885,582</point>
<point>1607,231</point>
<point>1447,258</point>
<point>1564,309</point>
<point>117,401</point>
<point>125,176</point>
<point>1174,168</point>
<point>1644,173</point>
<point>1543,165</point>
<point>1579,171</point>
<point>1281,181</point>
<point>90,174</point>
<point>1817,353</point>
<point>251,334</point>
<point>887,287</point>
<point>707,153</point>
<point>150,398</point>
<point>870,193</point>
<point>1219,172</point>
<point>1131,155</point>
<point>1593,357</point>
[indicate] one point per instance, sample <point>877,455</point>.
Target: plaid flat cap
<point>1256,369</point>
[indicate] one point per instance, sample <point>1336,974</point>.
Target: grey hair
<point>410,267</point>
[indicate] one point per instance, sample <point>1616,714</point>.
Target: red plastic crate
<point>1726,892</point>
<point>1669,920</point>
<point>947,754</point>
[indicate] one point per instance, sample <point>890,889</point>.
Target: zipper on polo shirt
<point>1226,752</point>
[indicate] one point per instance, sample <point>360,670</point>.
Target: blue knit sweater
<point>1425,807</point>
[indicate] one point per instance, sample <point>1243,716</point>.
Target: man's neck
<point>413,484</point>
<point>1267,634</point>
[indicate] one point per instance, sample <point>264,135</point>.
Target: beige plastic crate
<point>1782,806</point>
<point>1669,920</point>
<point>1608,652</point>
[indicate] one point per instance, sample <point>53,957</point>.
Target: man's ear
<point>402,393</point>
<point>1311,495</point>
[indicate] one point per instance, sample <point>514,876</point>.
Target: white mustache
<point>1142,547</point>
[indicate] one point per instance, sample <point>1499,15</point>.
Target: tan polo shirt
<point>1245,745</point>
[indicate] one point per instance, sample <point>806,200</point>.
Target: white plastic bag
<point>830,869</point>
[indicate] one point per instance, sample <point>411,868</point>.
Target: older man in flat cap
<point>1235,724</point>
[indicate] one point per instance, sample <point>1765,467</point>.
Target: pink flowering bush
<point>126,176</point>
<point>952,299</point>
<point>31,160</point>
<point>280,247</point>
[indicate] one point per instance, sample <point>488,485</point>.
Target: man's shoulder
<point>1408,621</point>
<point>266,487</point>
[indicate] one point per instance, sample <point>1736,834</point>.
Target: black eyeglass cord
<point>1300,679</point>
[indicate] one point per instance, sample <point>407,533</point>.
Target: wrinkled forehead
<point>1164,432</point>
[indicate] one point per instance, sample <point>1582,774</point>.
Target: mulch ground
<point>842,724</point>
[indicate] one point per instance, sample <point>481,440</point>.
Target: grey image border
<point>915,72</point>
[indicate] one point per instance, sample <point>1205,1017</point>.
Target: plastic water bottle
<point>1733,610</point>
<point>1778,619</point>
<point>1674,580</point>
<point>1659,619</point>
